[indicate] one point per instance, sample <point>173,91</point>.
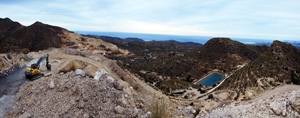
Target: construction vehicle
<point>33,72</point>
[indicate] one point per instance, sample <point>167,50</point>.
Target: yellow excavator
<point>33,72</point>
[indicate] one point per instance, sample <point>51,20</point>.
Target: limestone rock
<point>120,110</point>
<point>110,79</point>
<point>79,72</point>
<point>51,85</point>
<point>99,74</point>
<point>295,103</point>
<point>25,115</point>
<point>118,85</point>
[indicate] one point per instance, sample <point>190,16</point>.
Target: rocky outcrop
<point>276,106</point>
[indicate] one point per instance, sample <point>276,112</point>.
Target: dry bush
<point>160,108</point>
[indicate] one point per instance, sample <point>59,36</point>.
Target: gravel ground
<point>286,104</point>
<point>68,95</point>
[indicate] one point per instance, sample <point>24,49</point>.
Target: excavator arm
<point>37,65</point>
<point>40,60</point>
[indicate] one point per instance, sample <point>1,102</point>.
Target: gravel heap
<point>67,95</point>
<point>275,106</point>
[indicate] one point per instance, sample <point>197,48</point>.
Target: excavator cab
<point>33,66</point>
<point>33,72</point>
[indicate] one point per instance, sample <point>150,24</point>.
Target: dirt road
<point>9,86</point>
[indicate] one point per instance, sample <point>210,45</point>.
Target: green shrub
<point>210,96</point>
<point>192,104</point>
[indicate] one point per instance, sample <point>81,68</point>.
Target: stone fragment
<point>119,110</point>
<point>51,85</point>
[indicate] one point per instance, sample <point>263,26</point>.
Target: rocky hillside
<point>39,36</point>
<point>282,104</point>
<point>276,66</point>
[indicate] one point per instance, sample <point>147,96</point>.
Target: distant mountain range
<point>129,39</point>
<point>296,44</point>
<point>181,38</point>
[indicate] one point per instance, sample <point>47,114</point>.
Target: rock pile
<point>275,106</point>
<point>69,95</point>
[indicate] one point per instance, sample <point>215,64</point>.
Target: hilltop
<point>35,37</point>
<point>280,64</point>
<point>8,27</point>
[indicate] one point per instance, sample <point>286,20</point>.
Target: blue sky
<point>260,19</point>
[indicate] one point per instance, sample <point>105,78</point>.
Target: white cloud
<point>268,19</point>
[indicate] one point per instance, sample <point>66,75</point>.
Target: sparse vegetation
<point>173,84</point>
<point>188,78</point>
<point>159,108</point>
<point>295,76</point>
<point>182,61</point>
<point>210,96</point>
<point>201,91</point>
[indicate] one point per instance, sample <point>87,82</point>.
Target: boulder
<point>119,110</point>
<point>51,85</point>
<point>25,115</point>
<point>190,109</point>
<point>79,72</point>
<point>90,70</point>
<point>135,112</point>
<point>295,103</point>
<point>248,94</point>
<point>118,85</point>
<point>110,79</point>
<point>99,74</point>
<point>72,66</point>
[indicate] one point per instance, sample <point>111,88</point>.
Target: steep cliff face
<point>274,67</point>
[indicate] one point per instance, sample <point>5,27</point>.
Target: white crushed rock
<point>68,95</point>
<point>79,72</point>
<point>275,106</point>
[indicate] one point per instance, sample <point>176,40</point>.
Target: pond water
<point>211,79</point>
